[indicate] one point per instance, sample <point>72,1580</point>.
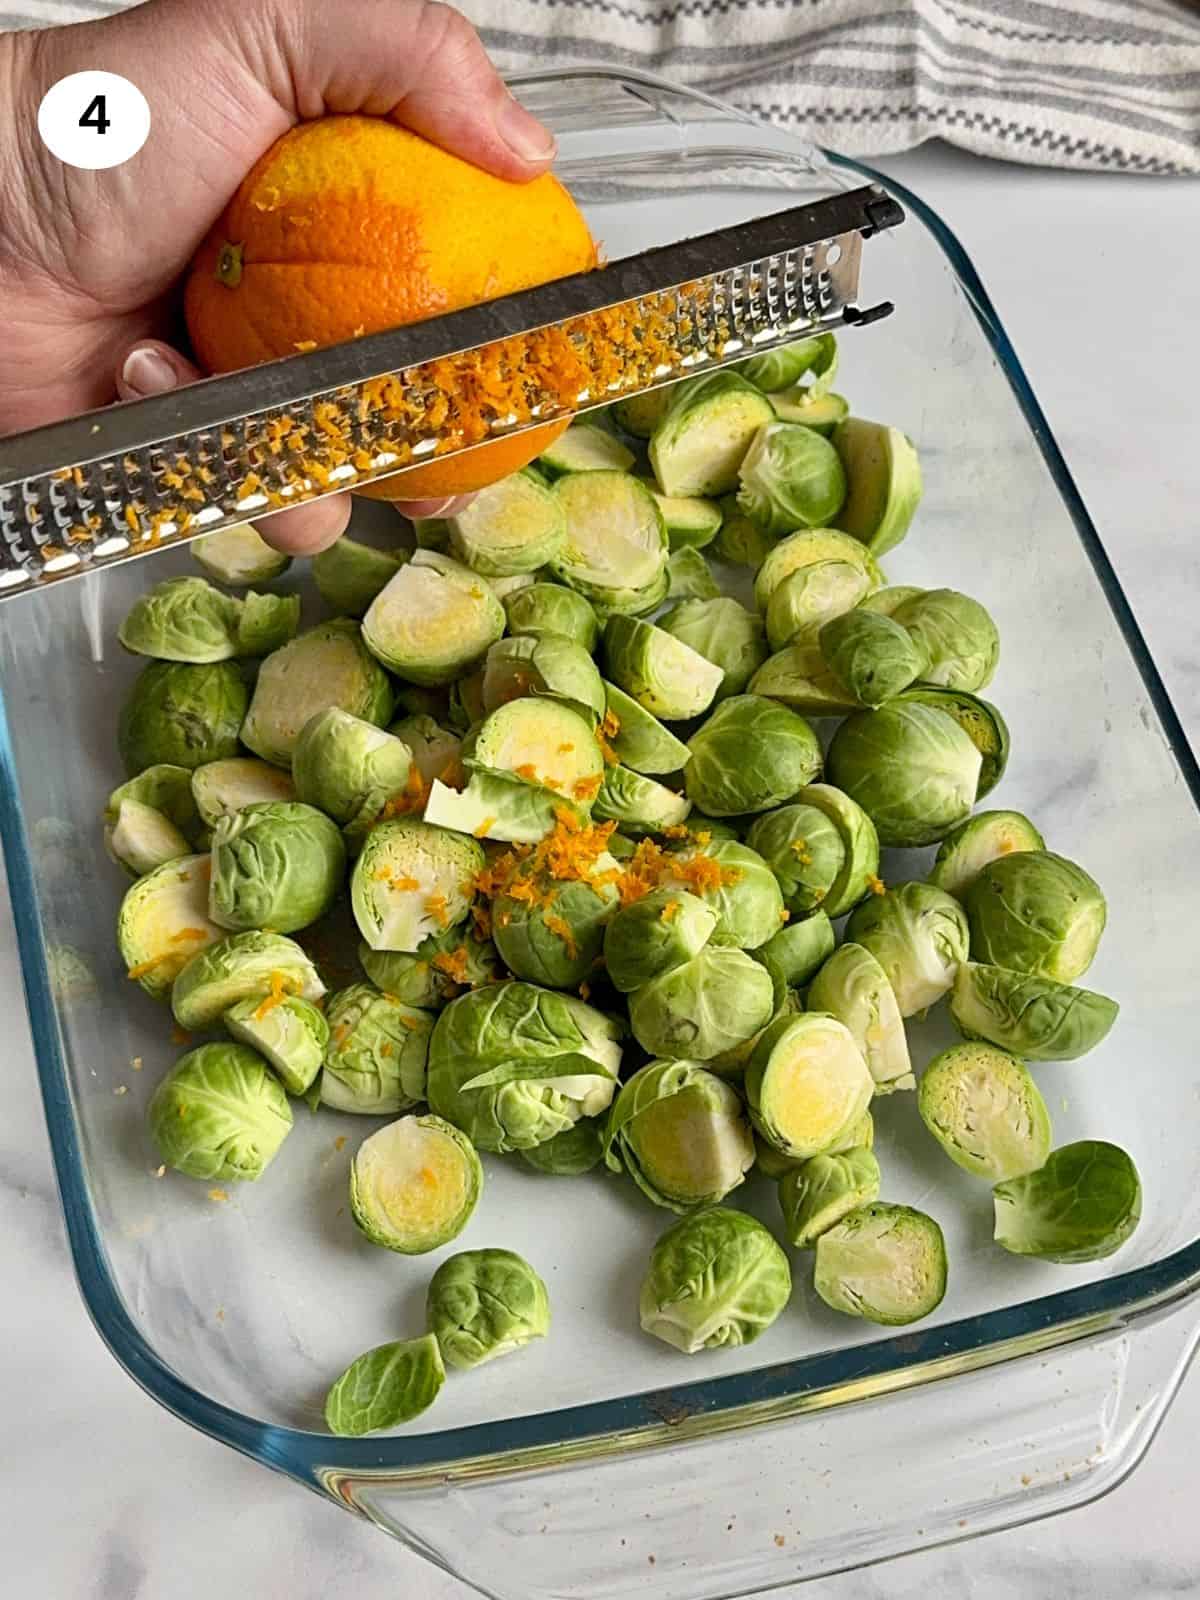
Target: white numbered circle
<point>94,119</point>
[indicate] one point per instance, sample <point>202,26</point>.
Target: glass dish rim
<point>686,1410</point>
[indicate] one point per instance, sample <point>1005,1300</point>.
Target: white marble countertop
<point>107,1497</point>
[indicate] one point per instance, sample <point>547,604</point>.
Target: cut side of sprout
<point>414,1184</point>
<point>412,880</point>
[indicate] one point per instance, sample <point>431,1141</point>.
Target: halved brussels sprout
<point>181,715</point>
<point>689,577</point>
<point>349,575</point>
<point>440,968</point>
<point>242,964</point>
<point>140,838</point>
<point>1038,913</point>
<point>887,601</point>
<point>513,526</point>
<point>638,804</point>
<point>807,600</point>
<point>219,1114</point>
<point>986,1112</point>
<point>798,677</point>
<point>979,720</point>
<point>871,654</point>
<point>412,880</point>
<point>815,1196</point>
<point>163,922</point>
<point>884,1263</point>
<point>278,865</point>
<point>182,619</point>
<point>585,447</point>
<point>736,882</point>
<point>546,666</point>
<point>723,632</point>
<point>290,1033</point>
<point>804,849</point>
<point>919,936</point>
<point>790,478</point>
<point>436,751</point>
<point>166,788</point>
<point>432,620</point>
<point>540,741</point>
<point>376,1054</point>
<point>499,808</point>
<point>774,1164</point>
<point>986,837</point>
<point>238,557</point>
<point>809,547</point>
<point>706,430</point>
<point>884,477</point>
<point>716,1279</point>
<point>664,675</point>
<point>325,666</point>
<point>912,770</point>
<point>820,412</point>
<point>654,935</point>
<point>680,1133</point>
<point>389,1385</point>
<point>806,1083</point>
<point>550,930</point>
<point>631,602</point>
<point>1081,1205</point>
<point>1035,1018</point>
<point>859,873</point>
<point>692,522</point>
<point>414,1184</point>
<point>481,1304</point>
<point>616,541</point>
<point>957,636</point>
<point>267,622</point>
<point>349,768</point>
<point>859,1135</point>
<point>569,1154</point>
<point>514,1065</point>
<point>752,753</point>
<point>740,541</point>
<point>853,987</point>
<point>544,608</point>
<point>815,358</point>
<point>637,738</point>
<point>220,788</point>
<point>709,1005</point>
<point>641,413</point>
<point>799,949</point>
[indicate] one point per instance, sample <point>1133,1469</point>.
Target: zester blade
<point>121,482</point>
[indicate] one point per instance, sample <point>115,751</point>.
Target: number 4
<point>95,116</point>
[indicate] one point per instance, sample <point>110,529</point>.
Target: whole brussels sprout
<point>326,666</point>
<point>349,575</point>
<point>709,1005</point>
<point>1035,1018</point>
<point>181,715</point>
<point>957,636</point>
<point>545,608</point>
<point>888,600</point>
<point>275,865</point>
<point>290,1033</point>
<point>220,1114</point>
<point>438,970</point>
<point>853,987</point>
<point>739,886</point>
<point>982,839</point>
<point>182,619</point>
<point>680,1133</point>
<point>1038,913</point>
<point>654,935</point>
<point>872,655</point>
<point>815,1196</point>
<point>723,632</point>
<point>918,934</point>
<point>716,1279</point>
<point>803,848</point>
<point>1081,1205</point>
<point>750,754</point>
<point>912,770</point>
<point>349,768</point>
<point>986,1112</point>
<point>884,1263</point>
<point>389,1385</point>
<point>217,977</point>
<point>790,478</point>
<point>376,1055</point>
<point>543,664</point>
<point>550,930</point>
<point>414,1185</point>
<point>481,1304</point>
<point>569,1154</point>
<point>799,949</point>
<point>432,620</point>
<point>806,1084</point>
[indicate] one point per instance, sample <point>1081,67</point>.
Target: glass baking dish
<point>828,1443</point>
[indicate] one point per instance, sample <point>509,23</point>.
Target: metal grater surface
<point>124,481</point>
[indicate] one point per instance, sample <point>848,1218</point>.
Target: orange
<point>349,225</point>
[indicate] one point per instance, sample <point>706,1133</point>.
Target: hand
<point>90,261</point>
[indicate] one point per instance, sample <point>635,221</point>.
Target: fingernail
<point>147,372</point>
<point>524,135</point>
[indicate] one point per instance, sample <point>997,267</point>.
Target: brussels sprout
<point>814,358</point>
<point>376,1054</point>
<point>513,526</point>
<point>548,665</point>
<point>288,1031</point>
<point>986,837</point>
<point>219,1114</point>
<point>637,738</point>
<point>412,880</point>
<point>440,968</point>
<point>809,547</point>
<point>326,666</point>
<point>957,636</point>
<point>141,838</point>
<point>641,413</point>
<point>750,754</point>
<point>631,602</point>
<point>1033,1017</point>
<point>884,1263</point>
<point>808,599</point>
<point>689,577</point>
<point>163,922</point>
<point>432,533</point>
<point>799,949</point>
<point>790,478</point>
<point>798,677</point>
<point>853,987</point>
<point>1038,913</point>
<point>349,575</point>
<point>872,655</point>
<point>654,935</point>
<point>485,1303</point>
<point>884,475</point>
<point>638,804</point>
<point>740,541</point>
<point>585,447</point>
<point>710,1004</point>
<point>859,1135</point>
<point>806,1083</point>
<point>986,1112</point>
<point>716,1279</point>
<point>349,768</point>
<point>242,964</point>
<point>551,931</point>
<point>815,1196</point>
<point>514,1065</point>
<point>912,769</point>
<point>723,632</point>
<point>239,557</point>
<point>1081,1205</point>
<point>182,619</point>
<point>681,1135</point>
<point>887,601</point>
<point>820,412</point>
<point>569,1154</point>
<point>739,886</point>
<point>432,620</point>
<point>499,809</point>
<point>551,608</point>
<point>540,742</point>
<point>276,865</point>
<point>803,848</point>
<point>706,430</point>
<point>774,1164</point>
<point>858,875</point>
<point>436,751</point>
<point>979,720</point>
<point>918,934</point>
<point>219,788</point>
<point>267,622</point>
<point>664,675</point>
<point>616,542</point>
<point>165,788</point>
<point>691,521</point>
<point>181,715</point>
<point>701,830</point>
<point>464,706</point>
<point>385,1387</point>
<point>414,1184</point>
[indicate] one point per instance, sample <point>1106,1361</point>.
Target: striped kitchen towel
<point>1110,85</point>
